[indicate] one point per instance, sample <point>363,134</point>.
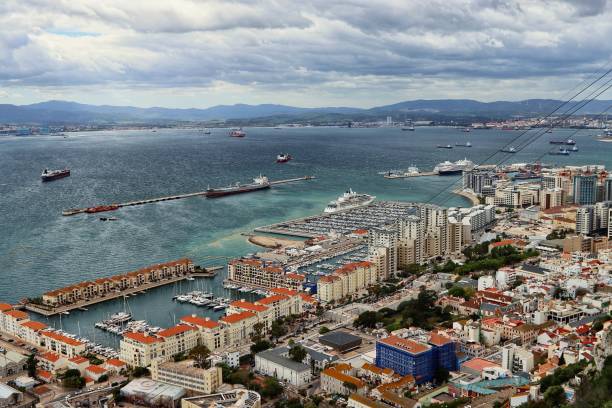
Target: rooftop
<point>408,345</point>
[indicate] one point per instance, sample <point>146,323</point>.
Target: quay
<point>75,211</point>
<point>408,175</point>
<point>52,311</point>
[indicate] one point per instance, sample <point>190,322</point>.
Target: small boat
<point>574,148</point>
<point>561,152</point>
<point>445,146</point>
<point>466,144</point>
<point>207,132</point>
<point>508,150</point>
<point>237,133</point>
<point>467,129</point>
<point>283,158</point>
<point>409,128</point>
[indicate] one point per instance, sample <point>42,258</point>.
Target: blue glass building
<point>405,356</point>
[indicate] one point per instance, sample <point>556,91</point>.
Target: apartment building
<point>336,380</point>
<point>346,281</point>
<point>185,374</point>
<point>263,274</point>
<point>100,287</point>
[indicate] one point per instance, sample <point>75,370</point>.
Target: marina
<point>375,214</point>
<point>205,193</point>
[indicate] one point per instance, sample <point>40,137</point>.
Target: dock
<point>75,211</point>
<point>408,175</point>
<point>82,305</point>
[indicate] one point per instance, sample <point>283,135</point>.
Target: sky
<point>311,53</point>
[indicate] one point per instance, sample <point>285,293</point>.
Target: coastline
<point>470,196</point>
<point>274,243</point>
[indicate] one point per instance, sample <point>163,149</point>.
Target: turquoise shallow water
<point>41,250</point>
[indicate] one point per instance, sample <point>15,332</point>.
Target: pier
<point>75,211</point>
<point>407,175</point>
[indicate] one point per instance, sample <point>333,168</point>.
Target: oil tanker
<point>259,183</point>
<point>50,175</point>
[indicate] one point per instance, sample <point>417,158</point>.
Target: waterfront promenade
<point>470,196</point>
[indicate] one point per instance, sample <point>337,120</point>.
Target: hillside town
<point>503,304</point>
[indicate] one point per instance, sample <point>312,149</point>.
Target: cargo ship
<point>348,201</point>
<point>50,175</point>
<point>569,142</point>
<point>445,146</point>
<point>259,183</point>
<point>283,158</point>
<point>237,133</point>
<point>101,208</point>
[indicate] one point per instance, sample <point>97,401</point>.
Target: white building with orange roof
<point>283,305</point>
<point>30,331</point>
<point>262,274</point>
<point>211,332</point>
<point>11,321</point>
<point>334,380</point>
<point>264,314</point>
<point>238,328</point>
<point>346,281</point>
<point>114,365</point>
<point>61,344</point>
<point>78,363</point>
<point>95,372</point>
<point>178,339</point>
<point>139,349</point>
<point>51,361</point>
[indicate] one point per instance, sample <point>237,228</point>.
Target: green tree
<point>366,319</point>
<point>350,387</point>
<point>278,329</point>
<point>73,382</point>
<point>323,330</point>
<point>200,355</point>
<point>260,346</point>
<point>31,365</point>
<point>140,372</point>
<point>271,388</point>
<point>258,330</point>
<point>554,396</point>
<point>297,353</point>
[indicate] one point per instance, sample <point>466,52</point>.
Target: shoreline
<point>274,243</point>
<point>470,196</point>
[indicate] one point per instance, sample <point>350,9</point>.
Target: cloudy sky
<point>199,53</point>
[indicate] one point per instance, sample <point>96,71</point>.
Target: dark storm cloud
<point>282,43</point>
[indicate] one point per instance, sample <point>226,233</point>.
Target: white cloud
<point>317,52</point>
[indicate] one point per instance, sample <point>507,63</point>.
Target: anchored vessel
<point>449,168</point>
<point>348,201</point>
<point>259,183</point>
<point>283,158</point>
<point>49,175</point>
<point>508,150</point>
<point>101,208</point>
<point>466,144</point>
<point>237,133</point>
<point>445,146</point>
<point>569,142</point>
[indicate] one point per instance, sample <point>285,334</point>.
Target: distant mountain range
<point>63,112</point>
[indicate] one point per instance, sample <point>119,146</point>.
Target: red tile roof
<point>479,364</point>
<point>405,344</point>
<point>4,307</point>
<point>44,374</point>
<point>36,326</point>
<point>295,276</point>
<point>173,331</point>
<point>61,338</point>
<point>115,362</point>
<point>284,291</point>
<point>236,317</point>
<point>142,338</point>
<point>200,321</point>
<point>271,299</point>
<point>353,266</point>
<point>248,306</point>
<point>49,356</point>
<point>17,314</point>
<point>78,360</point>
<point>438,340</point>
<point>96,369</point>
